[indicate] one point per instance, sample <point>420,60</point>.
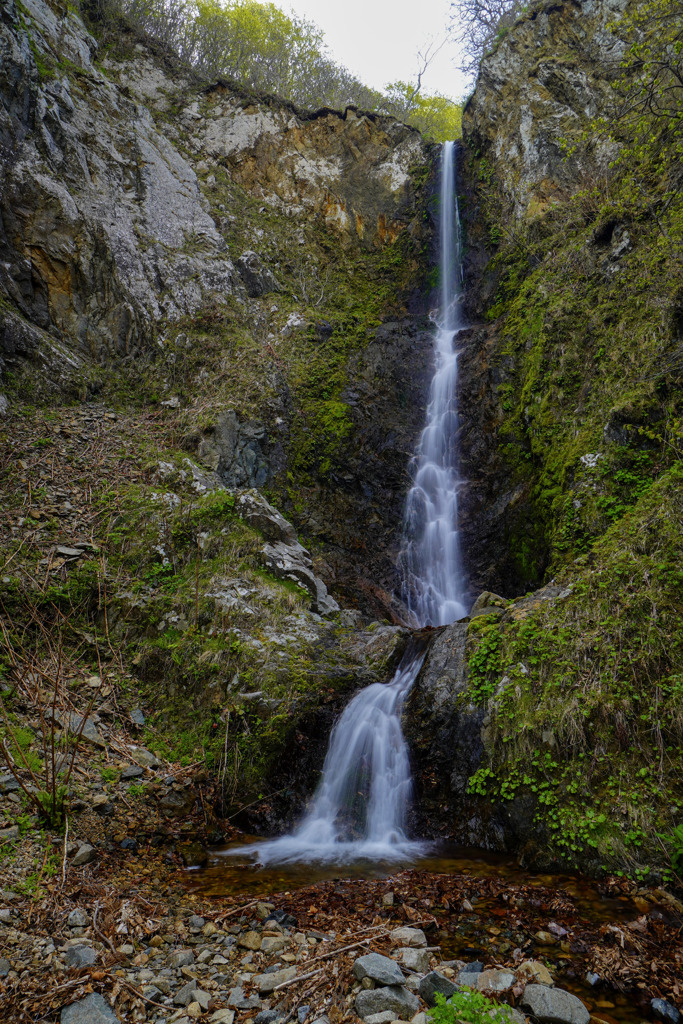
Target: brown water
<point>486,933</point>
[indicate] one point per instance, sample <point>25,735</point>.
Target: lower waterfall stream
<point>359,810</point>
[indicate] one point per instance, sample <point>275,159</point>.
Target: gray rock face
<point>381,969</point>
<point>433,984</point>
<point>91,1010</point>
<point>523,105</point>
<point>83,218</point>
<point>554,1006</point>
<point>258,279</point>
<point>403,1004</point>
<point>235,451</point>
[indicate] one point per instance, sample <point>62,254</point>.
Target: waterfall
<point>358,811</point>
<point>434,587</point>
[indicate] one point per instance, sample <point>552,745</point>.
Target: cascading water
<point>359,809</point>
<point>431,566</point>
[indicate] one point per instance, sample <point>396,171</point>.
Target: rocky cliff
<point>565,717</point>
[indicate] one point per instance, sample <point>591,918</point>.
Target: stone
<point>137,717</point>
<point>258,279</point>
<point>91,1010</point>
<point>420,1018</point>
<point>134,771</point>
<point>433,984</point>
<point>413,937</point>
<point>467,980</point>
<point>250,940</point>
<point>379,968</point>
<point>194,1011</point>
<point>495,981</point>
<point>185,995</point>
<point>144,757</point>
<point>267,982</point>
<point>75,724</point>
<point>222,1017</point>
<point>80,956</point>
<point>5,967</point>
<point>554,1006</point>
<point>181,958</point>
<point>5,915</point>
<point>8,835</point>
<point>237,998</point>
<point>415,959</point>
<point>272,944</point>
<point>394,998</point>
<point>202,997</point>
<point>665,1011</point>
<point>535,971</point>
<point>84,855</point>
<point>267,1017</point>
<point>78,919</point>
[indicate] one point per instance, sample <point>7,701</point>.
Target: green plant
<point>469,1006</point>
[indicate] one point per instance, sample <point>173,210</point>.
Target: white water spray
<point>359,809</point>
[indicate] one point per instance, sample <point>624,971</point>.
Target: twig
<point>97,930</point>
<point>66,838</point>
<point>302,977</point>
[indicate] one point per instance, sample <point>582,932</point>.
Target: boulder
<point>554,1006</point>
<point>403,1004</point>
<point>379,968</point>
<point>415,959</point>
<point>91,1010</point>
<point>436,984</point>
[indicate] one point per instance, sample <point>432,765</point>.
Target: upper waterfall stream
<point>360,807</point>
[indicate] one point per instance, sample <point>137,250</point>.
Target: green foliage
<point>483,663</point>
<point>467,1006</point>
<point>265,50</point>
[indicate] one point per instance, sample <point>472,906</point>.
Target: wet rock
<point>193,855</point>
<point>665,1011</point>
<point>412,937</point>
<point>433,984</point>
<point>234,450</point>
<point>91,1010</point>
<point>554,1006</point>
<point>80,956</point>
<point>379,968</point>
<point>394,998</point>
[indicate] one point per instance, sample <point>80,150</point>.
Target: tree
<point>478,24</point>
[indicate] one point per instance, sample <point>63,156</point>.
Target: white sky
<point>378,40</point>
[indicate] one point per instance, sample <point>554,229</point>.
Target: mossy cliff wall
<point>572,378</point>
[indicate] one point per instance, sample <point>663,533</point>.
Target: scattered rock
<point>91,1010</point>
<point>379,968</point>
<point>415,959</point>
<point>665,1011</point>
<point>267,982</point>
<point>84,855</point>
<point>181,958</point>
<point>134,771</point>
<point>534,971</point>
<point>144,757</point>
<point>223,1017</point>
<point>78,918</point>
<point>5,968</point>
<point>250,940</point>
<point>554,1006</point>
<point>80,956</point>
<point>495,981</point>
<point>413,937</point>
<point>435,983</point>
<point>394,997</point>
<point>8,835</point>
